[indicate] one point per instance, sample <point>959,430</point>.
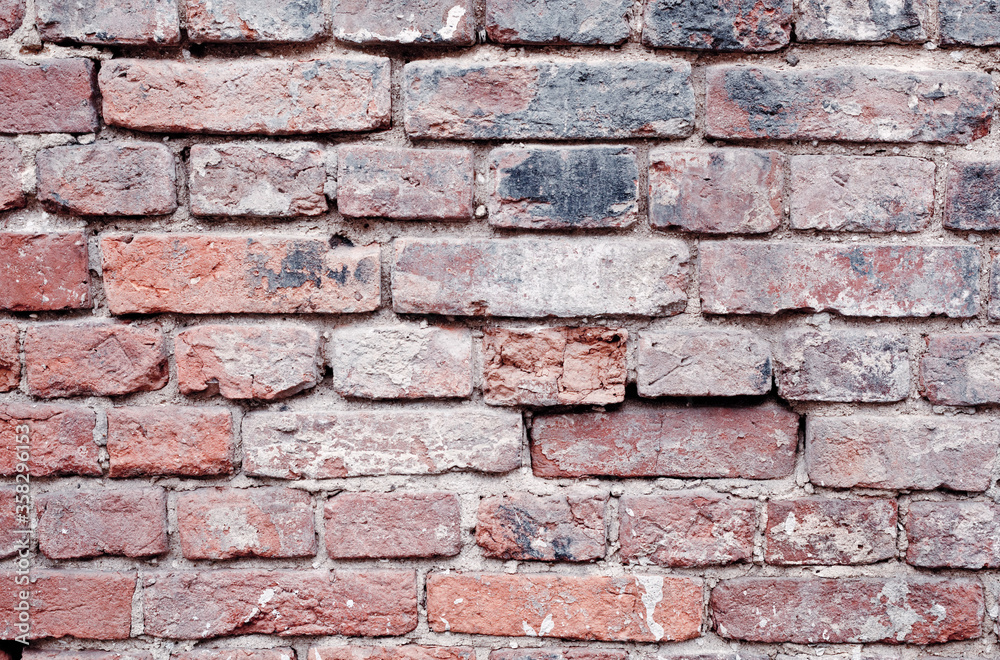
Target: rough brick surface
<point>209,273</point>
<point>973,196</point>
<point>437,22</point>
<point>908,452</point>
<point>247,362</point>
<point>223,523</point>
<point>378,525</point>
<point>43,272</point>
<point>10,357</point>
<point>139,22</point>
<point>204,604</point>
<point>521,526</point>
<point>744,25</point>
<point>61,439</point>
<point>960,369</point>
<point>79,359</point>
<point>247,21</point>
<point>749,443</point>
<point>844,20</point>
<point>10,540</point>
<point>686,529</point>
<point>858,104</point>
<point>548,100</point>
<point>170,440</point>
<point>351,444</point>
<point>11,164</point>
<point>553,653</point>
<point>592,22</point>
<point>50,96</point>
<point>953,535</point>
<point>39,654</point>
<point>405,184</point>
<point>969,23</point>
<point>815,530</point>
<point>730,191</point>
<point>265,96</point>
<point>11,16</point>
<point>858,193</point>
<point>632,608</point>
<point>868,280</point>
<point>554,366</point>
<point>130,522</point>
<point>703,362</point>
<point>527,277</point>
<point>279,653</point>
<point>404,652</point>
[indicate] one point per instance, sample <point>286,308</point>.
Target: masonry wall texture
<point>499,330</point>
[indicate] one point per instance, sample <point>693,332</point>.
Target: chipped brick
<point>521,526</point>
<point>816,530</point>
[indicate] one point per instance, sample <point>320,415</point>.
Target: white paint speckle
<point>455,14</point>
<point>652,594</point>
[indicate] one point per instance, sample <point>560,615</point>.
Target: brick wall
<point>500,330</point>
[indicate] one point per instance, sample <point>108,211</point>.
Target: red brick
<point>61,439</point>
<point>376,525</point>
<point>450,22</point>
<point>703,362</point>
<point>11,16</point>
<point>554,366</point>
<point>77,359</point>
<point>209,274</point>
<point>716,191</point>
<point>279,653</point>
<point>953,535</point>
<point>48,96</point>
<point>539,277</point>
<point>747,25</point>
<point>11,166</point>
<point>368,443</point>
<point>404,184</point>
<point>70,603</point>
<point>268,96</point>
<point>170,441</point>
<point>863,280</point>
<point>630,608</point>
<point>846,21</point>
<point>972,199</point>
<point>968,22</point>
<point>815,530</point>
<point>103,22</point>
<point>40,654</point>
<point>849,610</point>
<point>405,652</point>
<point>10,539</point>
<point>686,529</point>
<point>223,523</point>
<point>401,362</point>
<point>857,104</point>
<point>858,193</point>
<point>248,21</point>
<point>570,653</point>
<point>959,369</point>
<point>123,178</point>
<point>248,362</point>
<point>10,357</point>
<point>259,179</point>
<point>130,522</point>
<point>44,272</point>
<point>742,654</point>
<point>557,22</point>
<point>747,443</point>
<point>204,604</point>
<point>908,452</point>
<point>521,526</point>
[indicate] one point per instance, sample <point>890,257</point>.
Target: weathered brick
<point>401,362</point>
<point>61,439</point>
<point>842,365</point>
<point>70,603</point>
<point>351,444</point>
<point>569,653</point>
<point>44,272</point>
<point>394,525</point>
<point>564,527</point>
<point>554,366</point>
<point>444,22</point>
<point>248,362</point>
<point>636,608</point>
<point>858,193</point>
<point>10,540</point>
<point>404,184</point>
<point>960,369</point>
<point>591,23</point>
<point>816,530</point>
<point>908,452</point>
<point>11,164</point>
<point>745,25</point>
<point>973,196</point>
<point>50,96</point>
<point>279,653</point>
<point>686,529</point>
<point>742,654</point>
<point>539,277</point>
<point>10,357</point>
<point>102,359</point>
<point>210,273</point>
<point>101,22</point>
<point>245,20</point>
<point>748,443</point>
<point>703,362</point>
<point>859,280</point>
<point>40,654</point>
<point>953,535</point>
<point>858,104</point>
<point>259,179</point>
<point>11,16</point>
<point>405,652</point>
<point>716,191</point>
<point>844,20</point>
<point>548,100</point>
<point>147,441</point>
<point>968,22</point>
<point>849,610</point>
<point>130,522</point>
<point>268,96</point>
<point>563,187</point>
<point>223,523</point>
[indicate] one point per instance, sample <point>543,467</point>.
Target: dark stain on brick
<point>723,25</point>
<point>973,199</point>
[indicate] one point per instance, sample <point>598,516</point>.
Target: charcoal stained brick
<point>548,100</point>
<point>969,23</point>
<point>961,369</point>
<point>403,652</point>
<point>108,22</point>
<point>591,22</point>
<point>49,96</point>
<point>248,21</point>
<point>61,440</point>
<point>855,104</point>
<point>833,21</point>
<point>745,25</point>
<point>44,272</point>
<point>416,22</point>
<point>953,535</point>
<point>972,199</point>
<point>150,441</point>
<point>278,653</point>
<point>816,530</point>
<point>703,362</point>
<point>11,16</point>
<point>10,357</point>
<point>11,166</point>
<point>393,525</point>
<point>861,280</point>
